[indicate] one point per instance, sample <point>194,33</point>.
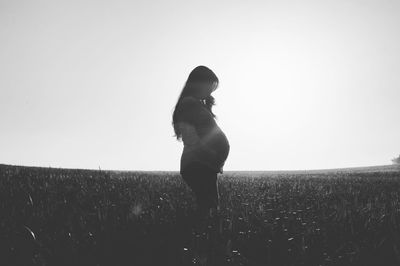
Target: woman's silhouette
<point>205,146</point>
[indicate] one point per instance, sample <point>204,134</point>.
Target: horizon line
<point>237,170</point>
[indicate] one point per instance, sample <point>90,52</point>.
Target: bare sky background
<point>303,84</point>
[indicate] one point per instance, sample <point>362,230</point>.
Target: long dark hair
<point>202,74</point>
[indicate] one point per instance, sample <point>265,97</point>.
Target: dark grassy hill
<point>56,216</point>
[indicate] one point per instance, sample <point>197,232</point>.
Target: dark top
<point>212,149</point>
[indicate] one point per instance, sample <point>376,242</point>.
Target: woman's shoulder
<point>189,103</point>
<point>188,109</point>
<point>189,100</point>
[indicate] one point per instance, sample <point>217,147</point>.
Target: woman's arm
<point>191,112</point>
<point>191,138</point>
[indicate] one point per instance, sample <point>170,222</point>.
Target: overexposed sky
<point>303,84</point>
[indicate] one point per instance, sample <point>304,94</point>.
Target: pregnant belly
<point>218,141</point>
<point>213,139</point>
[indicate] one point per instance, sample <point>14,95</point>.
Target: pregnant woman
<point>205,146</point>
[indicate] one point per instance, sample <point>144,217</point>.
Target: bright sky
<point>303,84</point>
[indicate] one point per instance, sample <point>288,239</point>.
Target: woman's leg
<point>211,192</point>
<point>203,183</point>
<point>208,202</point>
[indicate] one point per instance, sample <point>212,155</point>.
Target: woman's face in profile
<point>204,89</point>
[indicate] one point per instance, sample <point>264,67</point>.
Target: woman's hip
<point>198,173</point>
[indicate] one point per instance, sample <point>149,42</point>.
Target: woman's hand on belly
<point>211,149</point>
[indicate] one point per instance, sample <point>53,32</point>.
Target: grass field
<point>51,216</point>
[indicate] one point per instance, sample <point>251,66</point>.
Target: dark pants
<point>203,182</point>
